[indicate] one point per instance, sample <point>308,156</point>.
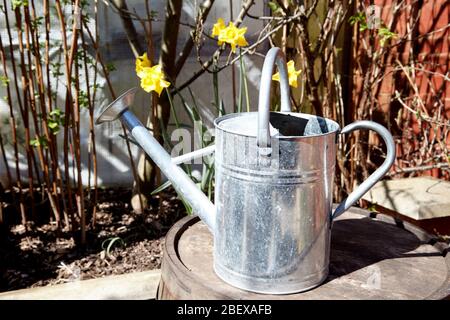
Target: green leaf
<point>110,243</point>
<point>35,23</point>
<point>363,27</point>
<point>172,108</point>
<point>385,35</point>
<point>84,4</point>
<point>153,14</point>
<point>34,142</point>
<point>4,80</point>
<point>55,119</point>
<point>56,69</point>
<point>19,3</point>
<point>162,187</point>
<point>83,99</point>
<point>52,125</point>
<point>222,108</point>
<point>273,6</point>
<point>110,67</point>
<point>188,207</point>
<point>358,17</point>
<point>55,112</point>
<point>40,141</point>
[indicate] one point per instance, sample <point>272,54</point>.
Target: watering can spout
<point>200,203</point>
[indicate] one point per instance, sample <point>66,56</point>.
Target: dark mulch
<point>121,242</point>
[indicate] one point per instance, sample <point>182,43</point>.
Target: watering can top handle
<point>274,56</point>
<point>378,174</point>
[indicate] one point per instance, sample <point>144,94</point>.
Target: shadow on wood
<point>371,258</point>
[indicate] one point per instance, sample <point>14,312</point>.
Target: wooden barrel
<point>372,257</point>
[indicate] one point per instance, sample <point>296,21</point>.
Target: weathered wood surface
<point>131,286</point>
<point>371,258</point>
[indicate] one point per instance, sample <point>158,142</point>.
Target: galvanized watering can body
<point>273,213</point>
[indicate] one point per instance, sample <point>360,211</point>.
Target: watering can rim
<point>218,120</point>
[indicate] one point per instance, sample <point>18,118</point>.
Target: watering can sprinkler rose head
<point>115,109</point>
<point>119,109</point>
<point>274,174</point>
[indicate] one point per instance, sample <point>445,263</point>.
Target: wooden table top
<point>371,258</point>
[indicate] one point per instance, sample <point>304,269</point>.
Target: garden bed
<point>121,242</point>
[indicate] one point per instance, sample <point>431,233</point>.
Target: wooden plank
<point>404,260</point>
<point>131,286</point>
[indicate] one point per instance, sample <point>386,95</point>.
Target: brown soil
<point>121,242</point>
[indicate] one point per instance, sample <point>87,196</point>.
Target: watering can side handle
<point>274,56</point>
<point>378,174</point>
<point>194,155</point>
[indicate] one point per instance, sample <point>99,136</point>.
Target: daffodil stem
<point>216,89</point>
<point>172,108</point>
<point>244,74</point>
<point>240,85</point>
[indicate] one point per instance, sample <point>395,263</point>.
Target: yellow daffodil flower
<point>218,26</point>
<point>292,73</point>
<point>141,63</point>
<point>231,34</point>
<point>152,79</point>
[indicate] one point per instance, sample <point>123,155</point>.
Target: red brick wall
<point>422,42</point>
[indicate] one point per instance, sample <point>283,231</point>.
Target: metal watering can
<point>274,174</point>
